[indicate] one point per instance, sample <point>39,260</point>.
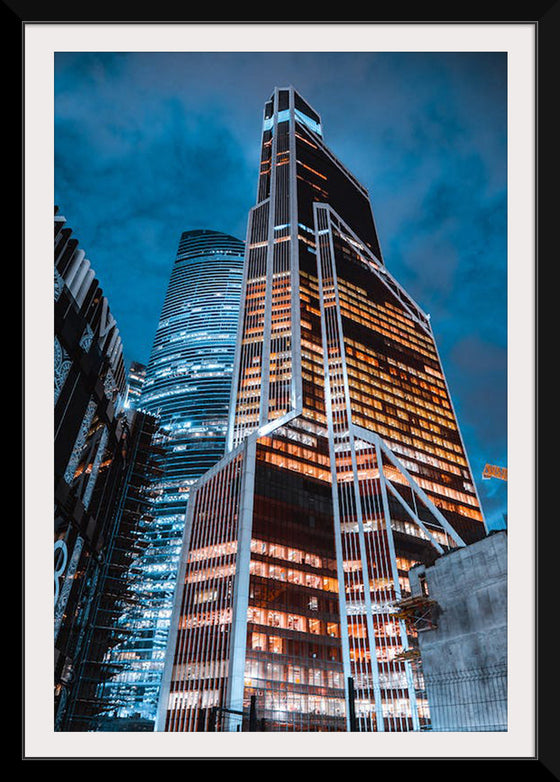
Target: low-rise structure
<point>459,605</point>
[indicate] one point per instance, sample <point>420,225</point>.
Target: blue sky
<point>148,145</point>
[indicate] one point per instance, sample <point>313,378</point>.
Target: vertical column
<point>236,672</point>
<point>265,364</point>
<point>346,494</point>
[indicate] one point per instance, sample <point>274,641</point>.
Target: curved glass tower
<point>187,386</point>
<point>188,378</point>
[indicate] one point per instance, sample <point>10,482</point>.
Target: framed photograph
<point>363,195</point>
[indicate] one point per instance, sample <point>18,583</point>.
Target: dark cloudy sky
<point>148,145</point>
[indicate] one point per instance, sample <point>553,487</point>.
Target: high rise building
<point>91,458</point>
<point>186,386</point>
<point>135,382</point>
<point>344,468</point>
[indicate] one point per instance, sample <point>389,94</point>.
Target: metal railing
<point>474,699</point>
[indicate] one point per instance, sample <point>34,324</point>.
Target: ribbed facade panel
<point>203,636</point>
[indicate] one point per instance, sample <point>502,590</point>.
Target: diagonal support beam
<point>374,439</point>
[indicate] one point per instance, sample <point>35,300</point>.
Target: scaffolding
<point>419,612</point>
<point>92,701</point>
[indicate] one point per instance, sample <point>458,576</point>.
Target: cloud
<point>148,145</point>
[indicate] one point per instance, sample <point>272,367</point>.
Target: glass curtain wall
<point>350,470</point>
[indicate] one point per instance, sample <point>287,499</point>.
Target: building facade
<point>102,679</point>
<point>344,468</point>
<point>136,378</point>
<point>186,385</point>
<point>90,454</point>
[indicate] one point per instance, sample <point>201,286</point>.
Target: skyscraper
<point>345,467</point>
<point>186,385</point>
<point>135,381</point>
<point>102,461</point>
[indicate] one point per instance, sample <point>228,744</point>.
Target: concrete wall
<point>464,658</point>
